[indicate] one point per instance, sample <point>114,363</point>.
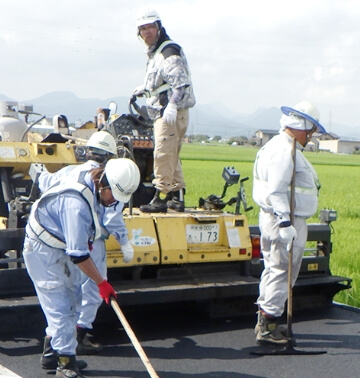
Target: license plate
<point>202,233</point>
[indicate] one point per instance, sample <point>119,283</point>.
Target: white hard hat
<point>147,16</point>
<point>102,141</point>
<point>306,110</point>
<point>123,176</point>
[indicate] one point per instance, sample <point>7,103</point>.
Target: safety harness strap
<point>156,91</point>
<point>164,87</point>
<point>45,236</point>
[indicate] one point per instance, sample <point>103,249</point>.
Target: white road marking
<point>7,373</point>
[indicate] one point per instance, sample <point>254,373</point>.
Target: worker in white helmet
<point>169,95</point>
<point>273,174</point>
<point>63,226</point>
<point>101,147</point>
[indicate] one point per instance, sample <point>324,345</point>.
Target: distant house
<point>340,146</point>
<point>313,145</point>
<point>328,142</point>
<point>327,136</point>
<point>262,136</point>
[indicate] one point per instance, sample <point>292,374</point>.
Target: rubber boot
<point>156,205</point>
<point>49,358</point>
<point>67,367</point>
<point>177,202</point>
<point>85,346</point>
<point>270,330</point>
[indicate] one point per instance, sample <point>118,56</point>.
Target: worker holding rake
<point>62,226</point>
<point>273,176</point>
<point>101,147</point>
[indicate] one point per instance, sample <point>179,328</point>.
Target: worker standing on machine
<point>273,174</point>
<point>169,95</point>
<point>101,147</point>
<point>62,226</point>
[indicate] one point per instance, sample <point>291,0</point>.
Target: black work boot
<point>67,367</point>
<point>177,202</point>
<point>156,205</point>
<point>270,330</point>
<point>85,346</point>
<point>49,358</point>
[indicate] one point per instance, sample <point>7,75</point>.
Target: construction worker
<point>102,117</point>
<point>63,225</point>
<point>101,147</point>
<point>169,95</point>
<point>273,174</point>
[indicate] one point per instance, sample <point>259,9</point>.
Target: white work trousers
<point>167,165</point>
<point>91,299</point>
<point>273,288</point>
<point>57,283</point>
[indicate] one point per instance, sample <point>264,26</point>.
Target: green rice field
<point>340,182</point>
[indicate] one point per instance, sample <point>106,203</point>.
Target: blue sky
<point>244,54</point>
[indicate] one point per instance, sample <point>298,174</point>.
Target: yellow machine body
<point>195,236</point>
<point>19,155</point>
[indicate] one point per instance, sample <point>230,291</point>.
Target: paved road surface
<point>181,342</point>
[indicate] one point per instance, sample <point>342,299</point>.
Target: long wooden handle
<point>133,338</point>
<point>290,247</point>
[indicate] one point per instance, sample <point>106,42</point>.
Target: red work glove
<point>106,291</point>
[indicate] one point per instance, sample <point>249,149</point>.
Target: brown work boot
<point>283,329</point>
<point>85,346</point>
<point>270,330</point>
<point>67,367</point>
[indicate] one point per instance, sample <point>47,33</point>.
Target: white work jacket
<point>273,171</point>
<point>164,73</point>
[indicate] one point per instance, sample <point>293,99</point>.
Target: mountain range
<point>209,119</point>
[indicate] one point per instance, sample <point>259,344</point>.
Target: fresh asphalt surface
<point>181,341</point>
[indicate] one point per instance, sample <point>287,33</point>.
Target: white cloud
<point>326,73</point>
<point>244,54</point>
<point>10,38</point>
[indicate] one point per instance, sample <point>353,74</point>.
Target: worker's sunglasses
<point>108,187</point>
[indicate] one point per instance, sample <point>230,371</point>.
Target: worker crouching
<point>62,225</point>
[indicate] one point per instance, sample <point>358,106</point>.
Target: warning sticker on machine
<point>7,153</point>
<point>141,240</point>
<point>233,237</point>
<point>202,233</point>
